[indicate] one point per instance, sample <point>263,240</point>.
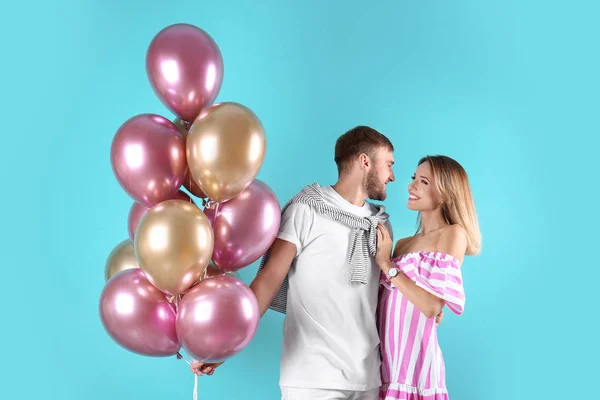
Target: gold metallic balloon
<point>173,245</point>
<point>122,257</point>
<point>226,147</point>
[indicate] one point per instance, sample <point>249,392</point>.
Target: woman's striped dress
<point>412,363</point>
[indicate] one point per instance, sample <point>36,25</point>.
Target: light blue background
<point>510,89</point>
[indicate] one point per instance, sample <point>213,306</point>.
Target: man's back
<point>330,332</point>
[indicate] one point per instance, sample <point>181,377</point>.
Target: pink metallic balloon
<point>137,211</point>
<point>185,69</point>
<point>138,316</point>
<point>217,318</point>
<point>244,227</point>
<point>148,158</point>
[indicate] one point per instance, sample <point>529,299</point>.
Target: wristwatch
<point>392,272</point>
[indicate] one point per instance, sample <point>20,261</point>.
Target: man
<point>320,271</point>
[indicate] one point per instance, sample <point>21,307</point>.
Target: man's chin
<point>378,197</point>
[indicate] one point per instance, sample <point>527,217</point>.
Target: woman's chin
<point>412,205</point>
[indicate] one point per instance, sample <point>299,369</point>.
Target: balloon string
<point>211,203</point>
<point>195,393</point>
<point>190,362</point>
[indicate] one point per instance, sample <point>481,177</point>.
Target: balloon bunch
<point>174,283</point>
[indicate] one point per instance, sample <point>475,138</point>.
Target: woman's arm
<point>453,241</point>
<point>427,303</point>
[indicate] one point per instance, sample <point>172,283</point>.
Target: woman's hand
<point>384,246</point>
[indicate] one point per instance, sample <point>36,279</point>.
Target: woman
<point>422,277</point>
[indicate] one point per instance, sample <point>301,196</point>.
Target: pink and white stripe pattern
<point>412,362</point>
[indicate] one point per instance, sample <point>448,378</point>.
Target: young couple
<point>361,315</point>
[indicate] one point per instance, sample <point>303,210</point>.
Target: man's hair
<point>358,140</point>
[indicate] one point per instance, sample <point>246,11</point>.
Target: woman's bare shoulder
<point>453,241</point>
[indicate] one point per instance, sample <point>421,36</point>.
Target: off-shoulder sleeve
<point>438,274</point>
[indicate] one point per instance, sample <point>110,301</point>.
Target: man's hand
<point>439,317</point>
<point>199,368</point>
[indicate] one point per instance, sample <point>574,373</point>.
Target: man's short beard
<point>375,189</point>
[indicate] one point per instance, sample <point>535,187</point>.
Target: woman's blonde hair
<point>457,200</point>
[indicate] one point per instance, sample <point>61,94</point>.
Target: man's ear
<point>364,160</point>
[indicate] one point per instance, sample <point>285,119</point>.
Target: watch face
<point>393,272</point>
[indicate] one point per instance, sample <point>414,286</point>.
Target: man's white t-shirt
<point>330,338</point>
